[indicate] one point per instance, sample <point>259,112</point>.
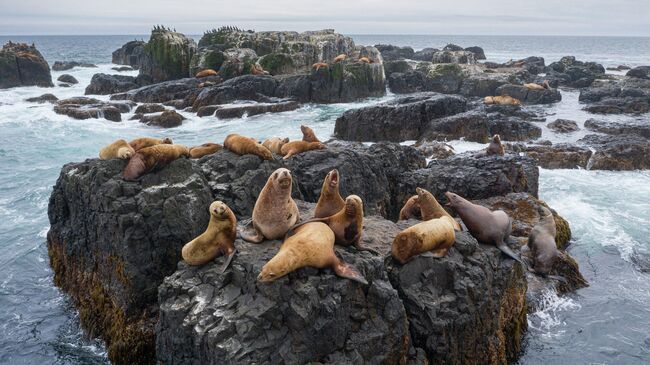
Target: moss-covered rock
<point>277,63</point>
<point>167,55</point>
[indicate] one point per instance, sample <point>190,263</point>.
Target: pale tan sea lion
<point>205,73</point>
<point>431,209</point>
<point>365,60</point>
<point>340,58</point>
<point>534,86</point>
<point>541,242</point>
<point>246,146</point>
<point>274,144</point>
<point>501,100</point>
<point>204,150</point>
<point>495,147</point>
<point>297,147</point>
<point>411,209</point>
<point>311,245</point>
<point>218,239</point>
<point>489,227</point>
<point>153,158</point>
<point>258,70</point>
<point>318,65</point>
<point>118,149</point>
<point>435,235</point>
<point>144,142</point>
<point>330,201</point>
<point>308,134</point>
<point>275,211</point>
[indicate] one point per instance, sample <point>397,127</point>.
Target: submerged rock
<point>68,79</point>
<point>563,126</point>
<point>45,98</point>
<point>68,65</point>
<point>23,65</point>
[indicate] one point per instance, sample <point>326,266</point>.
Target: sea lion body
<point>541,242</point>
<point>431,209</point>
<point>205,149</point>
<point>152,158</point>
<point>275,144</point>
<point>297,147</point>
<point>144,142</point>
<point>218,238</point>
<point>311,245</point>
<point>118,149</point>
<point>330,201</point>
<point>495,147</point>
<point>275,211</point>
<point>435,235</point>
<point>258,70</point>
<point>340,58</point>
<point>411,209</point>
<point>246,146</point>
<point>488,227</point>
<point>501,100</point>
<point>365,60</point>
<point>318,65</point>
<point>534,86</point>
<point>308,134</point>
<point>206,73</point>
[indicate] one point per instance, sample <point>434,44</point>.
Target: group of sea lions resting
<point>340,58</point>
<point>509,100</point>
<point>275,145</point>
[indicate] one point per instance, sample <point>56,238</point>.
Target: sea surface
<point>609,212</point>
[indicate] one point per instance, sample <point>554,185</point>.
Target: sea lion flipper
<point>344,270</point>
<point>135,168</point>
<point>506,250</point>
<point>254,237</point>
<point>227,262</point>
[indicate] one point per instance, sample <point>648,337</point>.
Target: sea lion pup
<point>204,150</point>
<point>365,60</point>
<point>311,245</point>
<point>308,134</point>
<point>144,142</point>
<point>495,147</point>
<point>318,65</point>
<point>205,73</point>
<point>501,100</point>
<point>246,146</point>
<point>118,149</point>
<point>340,58</point>
<point>489,227</point>
<point>435,235</point>
<point>274,144</point>
<point>411,209</point>
<point>541,242</point>
<point>330,201</point>
<point>297,147</point>
<point>275,211</point>
<point>152,158</point>
<point>218,238</point>
<point>431,209</point>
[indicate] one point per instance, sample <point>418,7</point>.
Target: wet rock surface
<point>67,78</point>
<point>638,127</point>
<point>557,156</point>
<point>617,96</point>
<point>618,152</point>
<point>23,65</point>
<point>563,126</point>
<point>573,73</point>
<point>104,84</point>
<point>131,54</point>
<point>87,108</point>
<point>45,98</point>
<point>166,119</point>
<point>68,65</point>
<point>255,109</point>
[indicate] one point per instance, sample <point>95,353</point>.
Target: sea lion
<point>411,209</point>
<point>435,235</point>
<point>365,60</point>
<point>311,245</point>
<point>118,149</point>
<point>330,201</point>
<point>489,227</point>
<point>275,211</point>
<point>340,58</point>
<point>541,242</point>
<point>297,147</point>
<point>258,70</point>
<point>308,134</point>
<point>204,149</point>
<point>144,142</point>
<point>534,86</point>
<point>153,158</point>
<point>501,100</point>
<point>205,73</point>
<point>246,146</point>
<point>218,238</point>
<point>495,147</point>
<point>274,144</point>
<point>431,209</point>
<point>318,65</point>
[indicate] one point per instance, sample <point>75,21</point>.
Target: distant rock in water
<point>45,98</point>
<point>167,119</point>
<point>563,126</point>
<point>67,78</point>
<point>131,54</point>
<point>87,108</point>
<point>167,55</point>
<point>573,73</point>
<point>104,84</point>
<point>67,65</point>
<point>23,65</point>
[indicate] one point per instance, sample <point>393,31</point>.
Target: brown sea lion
<point>431,209</point>
<point>274,144</point>
<point>541,242</point>
<point>501,100</point>
<point>205,73</point>
<point>258,70</point>
<point>118,149</point>
<point>218,238</point>
<point>275,211</point>
<point>205,149</point>
<point>246,146</point>
<point>318,65</point>
<point>340,58</point>
<point>534,86</point>
<point>435,235</point>
<point>297,147</point>
<point>330,201</point>
<point>495,147</point>
<point>144,142</point>
<point>308,134</point>
<point>365,60</point>
<point>153,158</point>
<point>411,209</point>
<point>311,245</point>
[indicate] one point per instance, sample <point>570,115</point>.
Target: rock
<point>618,152</point>
<point>444,78</point>
<point>425,54</point>
<point>167,55</point>
<point>207,110</point>
<point>563,126</point>
<point>122,68</point>
<point>434,149</point>
<point>104,84</point>
<point>394,53</point>
<point>617,95</point>
<point>45,98</point>
<point>545,96</point>
<point>642,72</point>
<point>112,242</point>
<point>149,108</point>
<point>85,108</point>
<point>23,65</point>
<point>398,120</point>
<point>255,109</point>
<point>618,68</point>
<point>629,105</point>
<point>460,57</point>
<point>131,53</point>
<point>277,64</point>
<point>400,66</point>
<point>479,54</point>
<point>68,79</point>
<point>570,72</point>
<point>167,119</point>
<point>558,156</point>
<point>615,128</point>
<point>68,65</point>
<point>237,62</point>
<point>162,92</point>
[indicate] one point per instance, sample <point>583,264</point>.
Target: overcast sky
<point>516,17</point>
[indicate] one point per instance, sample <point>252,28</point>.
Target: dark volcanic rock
<point>255,109</point>
<point>400,66</point>
<point>520,92</point>
<point>558,156</point>
<point>616,96</point>
<point>479,54</point>
<point>131,53</point>
<point>162,92</point>
<point>104,84</point>
<point>122,68</point>
<point>642,72</point>
<point>638,127</point>
<point>619,152</point>
<point>563,126</point>
<point>167,55</point>
<point>67,78</point>
<point>85,108</point>
<point>425,54</point>
<point>149,108</point>
<point>68,65</point>
<point>393,53</point>
<point>167,119</point>
<point>45,98</point>
<point>570,72</point>
<point>23,65</point>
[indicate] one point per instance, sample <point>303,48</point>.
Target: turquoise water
<point>609,212</point>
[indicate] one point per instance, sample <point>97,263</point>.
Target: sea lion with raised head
<point>218,239</point>
<point>501,100</point>
<point>308,134</point>
<point>246,146</point>
<point>495,147</point>
<point>118,149</point>
<point>311,245</point>
<point>411,209</point>
<point>488,227</point>
<point>204,150</point>
<point>275,211</point>
<point>144,142</point>
<point>330,201</point>
<point>297,147</point>
<point>205,73</point>
<point>431,209</point>
<point>434,235</point>
<point>340,58</point>
<point>152,159</point>
<point>274,144</point>
<point>541,242</point>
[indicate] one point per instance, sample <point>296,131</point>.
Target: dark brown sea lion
<point>411,209</point>
<point>311,245</point>
<point>274,144</point>
<point>151,159</point>
<point>495,147</point>
<point>330,201</point>
<point>435,235</point>
<point>431,209</point>
<point>144,142</point>
<point>118,149</point>
<point>488,227</point>
<point>541,242</point>
<point>297,147</point>
<point>246,146</point>
<point>204,150</point>
<point>308,134</point>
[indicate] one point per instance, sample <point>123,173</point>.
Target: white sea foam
<point>548,321</point>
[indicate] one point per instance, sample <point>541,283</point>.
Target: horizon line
<point>349,34</point>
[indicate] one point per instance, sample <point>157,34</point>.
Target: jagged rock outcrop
<point>642,72</point>
<point>162,92</point>
<point>238,111</point>
<point>104,84</point>
<point>166,119</point>
<point>131,53</point>
<point>557,156</point>
<point>573,73</point>
<point>618,152</point>
<point>563,126</point>
<point>86,108</point>
<point>23,65</point>
<point>616,96</point>
<point>545,96</point>
<point>167,55</point>
<point>638,127</point>
<point>394,53</point>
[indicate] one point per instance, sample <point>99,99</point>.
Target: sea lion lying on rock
<point>340,58</point>
<point>411,209</point>
<point>296,147</point>
<point>218,238</point>
<point>118,149</point>
<point>144,142</point>
<point>317,66</point>
<point>246,146</point>
<point>330,201</point>
<point>153,158</point>
<point>365,60</point>
<point>534,86</point>
<point>204,150</point>
<point>206,73</point>
<point>274,144</point>
<point>431,209</point>
<point>435,235</point>
<point>495,147</point>
<point>311,245</point>
<point>501,100</point>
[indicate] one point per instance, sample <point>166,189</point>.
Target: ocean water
<point>609,212</point>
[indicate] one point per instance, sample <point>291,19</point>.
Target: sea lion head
<point>276,268</point>
<point>320,146</point>
<point>353,205</point>
<point>218,209</point>
<point>405,245</point>
<point>167,140</point>
<point>454,199</point>
<point>282,178</point>
<point>543,211</point>
<point>496,139</point>
<point>285,140</point>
